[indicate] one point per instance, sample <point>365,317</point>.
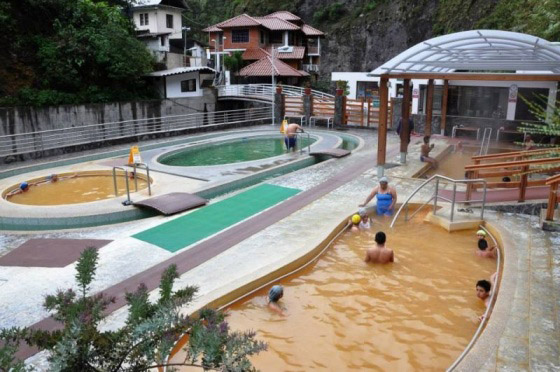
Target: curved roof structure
<point>477,50</point>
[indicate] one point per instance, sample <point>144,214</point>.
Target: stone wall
<point>14,120</point>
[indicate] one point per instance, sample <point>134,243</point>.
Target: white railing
<point>311,68</point>
<point>264,91</point>
<point>25,143</point>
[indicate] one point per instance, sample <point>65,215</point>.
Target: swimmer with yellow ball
<point>355,222</point>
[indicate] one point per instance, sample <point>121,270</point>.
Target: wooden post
<point>523,183</point>
<point>429,108</point>
<point>405,129</point>
<point>444,105</point>
<point>369,107</point>
<point>382,128</point>
<point>362,113</point>
<point>552,200</point>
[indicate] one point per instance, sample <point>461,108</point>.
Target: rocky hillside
<point>362,34</point>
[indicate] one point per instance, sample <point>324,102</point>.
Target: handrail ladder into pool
<point>300,140</point>
<point>485,144</point>
<point>128,201</point>
<point>145,167</point>
<point>436,195</point>
<point>486,315</point>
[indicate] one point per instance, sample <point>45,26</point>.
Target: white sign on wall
<point>512,93</point>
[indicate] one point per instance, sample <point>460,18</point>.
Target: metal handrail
<point>142,166</point>
<point>435,197</point>
<point>489,309</point>
<point>22,143</point>
<point>485,144</point>
<point>300,134</point>
<point>265,91</point>
<point>127,201</point>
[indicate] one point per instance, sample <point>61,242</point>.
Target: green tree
<point>548,120</point>
<point>72,51</point>
<point>144,342</point>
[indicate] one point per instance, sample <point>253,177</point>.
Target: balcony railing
<point>313,50</point>
<point>311,68</point>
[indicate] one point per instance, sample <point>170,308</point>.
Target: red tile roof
<point>276,24</point>
<point>212,29</point>
<point>263,67</point>
<point>285,15</point>
<point>242,20</point>
<point>310,31</point>
<point>254,54</point>
<point>297,53</point>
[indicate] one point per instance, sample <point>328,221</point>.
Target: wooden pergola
<point>484,51</point>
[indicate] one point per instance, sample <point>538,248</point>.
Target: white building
<point>182,82</point>
<point>158,24</point>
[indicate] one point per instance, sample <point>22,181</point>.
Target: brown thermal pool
<point>84,187</point>
<point>416,314</point>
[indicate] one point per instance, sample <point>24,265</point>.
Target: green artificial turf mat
<point>213,218</point>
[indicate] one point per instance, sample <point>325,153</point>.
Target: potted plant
<point>279,88</point>
<point>307,88</point>
<point>341,88</point>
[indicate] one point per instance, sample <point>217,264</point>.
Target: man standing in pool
<point>380,253</point>
<point>386,198</point>
<point>291,136</point>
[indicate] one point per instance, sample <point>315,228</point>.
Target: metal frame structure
<point>488,50</point>
<point>264,91</point>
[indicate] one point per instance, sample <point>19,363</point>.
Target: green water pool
<point>245,149</point>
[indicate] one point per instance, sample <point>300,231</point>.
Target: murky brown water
<point>81,189</point>
<point>417,314</point>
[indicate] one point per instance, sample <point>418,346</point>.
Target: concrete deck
<point>524,335</point>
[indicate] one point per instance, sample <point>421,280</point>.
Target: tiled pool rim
<point>74,222</point>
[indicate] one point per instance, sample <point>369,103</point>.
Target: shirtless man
<point>290,137</point>
<point>483,288</point>
<point>483,250</point>
<point>425,152</point>
<point>380,253</point>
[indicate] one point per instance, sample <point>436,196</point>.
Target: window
<point>537,96</point>
<point>188,85</point>
<point>263,40</point>
<point>276,37</point>
<point>240,36</point>
<point>220,38</point>
<point>169,20</point>
<point>144,20</point>
<point>162,40</point>
<point>367,89</point>
<point>480,102</point>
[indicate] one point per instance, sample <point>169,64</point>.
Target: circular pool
<point>227,152</point>
<point>73,188</point>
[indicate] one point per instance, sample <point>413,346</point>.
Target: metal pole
<point>453,201</point>
<point>127,202</point>
<point>436,196</point>
<point>148,175</point>
<point>273,87</point>
<point>483,202</point>
<point>115,182</point>
<point>135,179</point>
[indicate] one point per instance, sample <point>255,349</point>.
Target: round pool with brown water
<point>74,188</point>
<point>416,314</point>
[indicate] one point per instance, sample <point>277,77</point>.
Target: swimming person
<point>380,253</point>
<point>483,288</point>
<point>365,222</point>
<point>425,152</point>
<point>355,220</point>
<point>290,138</point>
<point>483,250</point>
<point>23,187</point>
<point>386,198</point>
<point>274,295</point>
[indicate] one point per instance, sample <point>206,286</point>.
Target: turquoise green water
<point>246,149</point>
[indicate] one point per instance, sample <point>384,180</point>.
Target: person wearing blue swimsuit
<point>386,198</point>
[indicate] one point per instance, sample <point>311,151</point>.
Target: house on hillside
<point>159,24</point>
<point>278,42</point>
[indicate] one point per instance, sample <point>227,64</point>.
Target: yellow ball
<point>356,219</point>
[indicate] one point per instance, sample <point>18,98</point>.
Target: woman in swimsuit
<point>386,198</point>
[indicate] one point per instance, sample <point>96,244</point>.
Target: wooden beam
<point>510,164</point>
<point>444,99</point>
<point>515,154</point>
<point>382,129</point>
<point>471,76</point>
<point>429,108</point>
<point>405,127</point>
<point>552,200</point>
